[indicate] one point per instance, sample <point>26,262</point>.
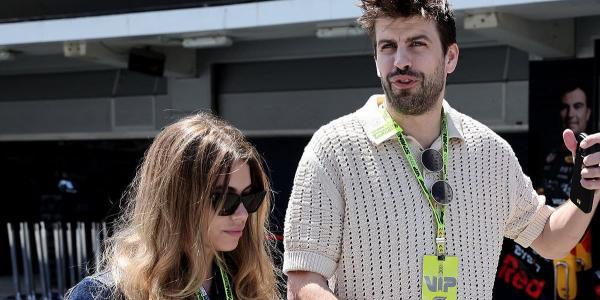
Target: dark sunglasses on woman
<point>231,201</point>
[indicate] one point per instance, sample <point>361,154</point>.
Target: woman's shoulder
<point>96,287</point>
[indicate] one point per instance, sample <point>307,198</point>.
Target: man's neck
<point>425,128</point>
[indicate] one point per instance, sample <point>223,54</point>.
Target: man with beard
<point>407,197</point>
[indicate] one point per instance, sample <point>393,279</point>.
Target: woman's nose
<point>240,214</point>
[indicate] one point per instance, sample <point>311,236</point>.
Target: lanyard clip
<point>441,247</point>
<point>440,242</point>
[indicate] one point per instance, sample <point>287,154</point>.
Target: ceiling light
<point>75,48</point>
<point>207,42</point>
<point>338,32</point>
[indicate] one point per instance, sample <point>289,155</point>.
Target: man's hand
<point>308,286</point>
<point>590,171</point>
<point>568,223</point>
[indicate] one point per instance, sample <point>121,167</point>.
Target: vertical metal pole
<point>95,228</point>
<point>104,236</point>
<point>30,261</point>
<point>58,255</point>
<point>70,256</point>
<point>81,248</point>
<point>61,245</point>
<point>38,248</point>
<point>13,260</point>
<point>44,239</point>
<point>78,249</point>
<point>104,231</point>
<point>26,255</point>
<point>32,294</point>
<point>84,251</point>
<point>27,284</point>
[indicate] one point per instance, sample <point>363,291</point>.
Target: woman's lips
<point>235,233</point>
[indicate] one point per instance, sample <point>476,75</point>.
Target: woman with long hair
<point>195,224</point>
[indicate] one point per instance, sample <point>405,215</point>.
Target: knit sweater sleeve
<point>528,212</point>
<point>313,222</point>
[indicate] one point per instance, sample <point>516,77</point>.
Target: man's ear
<point>451,58</point>
<point>588,113</point>
<point>377,67</point>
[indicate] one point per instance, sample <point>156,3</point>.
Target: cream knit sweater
<point>358,217</point>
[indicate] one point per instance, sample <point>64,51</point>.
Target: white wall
<point>587,30</point>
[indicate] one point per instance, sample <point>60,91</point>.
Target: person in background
<point>195,226</point>
<point>556,186</point>
<point>575,114</point>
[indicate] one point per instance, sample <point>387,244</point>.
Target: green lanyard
<point>203,295</point>
<point>437,209</point>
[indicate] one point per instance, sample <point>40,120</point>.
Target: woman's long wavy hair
<point>160,248</point>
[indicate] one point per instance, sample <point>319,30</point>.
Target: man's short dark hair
<point>438,11</point>
<point>571,84</point>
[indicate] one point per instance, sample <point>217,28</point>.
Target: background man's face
<point>574,111</point>
<point>411,63</point>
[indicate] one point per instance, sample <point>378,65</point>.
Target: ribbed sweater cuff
<point>535,228</point>
<point>308,261</point>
